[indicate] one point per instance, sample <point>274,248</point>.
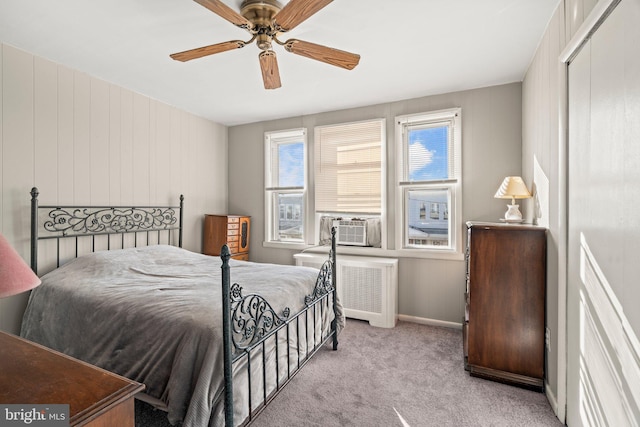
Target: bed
<point>123,295</point>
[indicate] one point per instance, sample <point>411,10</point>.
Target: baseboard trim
<point>553,401</point>
<point>430,322</point>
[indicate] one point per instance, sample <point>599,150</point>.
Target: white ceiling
<point>408,48</point>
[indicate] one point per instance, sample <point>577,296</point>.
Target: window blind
<point>348,167</point>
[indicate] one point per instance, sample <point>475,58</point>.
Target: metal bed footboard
<point>249,322</point>
<point>91,222</point>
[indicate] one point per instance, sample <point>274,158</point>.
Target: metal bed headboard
<point>74,222</point>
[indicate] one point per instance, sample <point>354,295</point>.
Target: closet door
<point>603,320</point>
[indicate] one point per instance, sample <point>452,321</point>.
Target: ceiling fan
<point>265,20</point>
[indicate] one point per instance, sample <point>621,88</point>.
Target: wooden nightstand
<point>33,374</point>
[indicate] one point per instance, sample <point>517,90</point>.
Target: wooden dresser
<point>230,229</point>
<point>504,325</point>
<point>33,374</point>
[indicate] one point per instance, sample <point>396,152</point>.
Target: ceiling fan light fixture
<point>263,41</point>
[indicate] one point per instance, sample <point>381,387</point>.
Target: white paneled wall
<point>542,166</point>
<point>82,140</point>
<point>543,93</point>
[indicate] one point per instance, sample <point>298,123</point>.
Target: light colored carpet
<point>411,375</point>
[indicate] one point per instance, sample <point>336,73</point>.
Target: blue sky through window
<point>428,153</point>
<point>291,165</point>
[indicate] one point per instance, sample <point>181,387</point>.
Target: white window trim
<point>293,134</point>
<point>455,252</point>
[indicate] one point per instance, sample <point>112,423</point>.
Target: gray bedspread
<point>154,315</point>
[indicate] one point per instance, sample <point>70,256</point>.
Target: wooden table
<point>33,374</point>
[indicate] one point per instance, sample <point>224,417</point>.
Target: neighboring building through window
<point>285,185</point>
<point>429,180</point>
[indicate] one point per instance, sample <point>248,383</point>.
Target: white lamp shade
<point>512,187</point>
<point>15,274</point>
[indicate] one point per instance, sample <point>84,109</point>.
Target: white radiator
<point>367,286</point>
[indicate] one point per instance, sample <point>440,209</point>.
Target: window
<point>429,181</point>
<point>348,168</point>
<point>349,174</point>
<point>285,185</point>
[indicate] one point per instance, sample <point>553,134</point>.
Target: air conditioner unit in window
<point>351,232</point>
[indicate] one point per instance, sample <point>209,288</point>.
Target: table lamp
<point>513,188</point>
<point>15,274</point>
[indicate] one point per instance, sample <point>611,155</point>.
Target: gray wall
<point>81,140</point>
<point>429,290</point>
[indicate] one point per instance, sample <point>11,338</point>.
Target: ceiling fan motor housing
<point>261,13</point>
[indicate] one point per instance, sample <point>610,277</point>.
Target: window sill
<point>284,245</point>
<point>379,252</point>
<point>429,254</point>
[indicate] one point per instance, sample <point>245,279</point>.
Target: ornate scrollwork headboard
<point>75,222</point>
